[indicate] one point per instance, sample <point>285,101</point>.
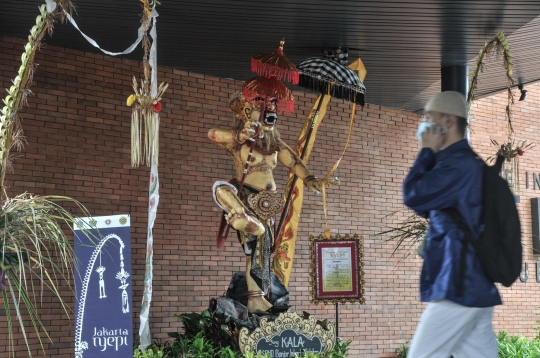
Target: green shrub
<point>402,351</point>
<point>226,353</point>
<point>219,331</point>
<point>155,352</point>
<point>508,347</point>
<point>517,346</point>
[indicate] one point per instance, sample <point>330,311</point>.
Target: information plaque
<point>337,274</point>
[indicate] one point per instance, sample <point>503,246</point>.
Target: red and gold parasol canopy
<point>275,64</point>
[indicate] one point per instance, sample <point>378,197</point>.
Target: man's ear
<point>450,120</point>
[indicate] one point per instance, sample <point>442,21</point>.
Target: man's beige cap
<point>449,102</point>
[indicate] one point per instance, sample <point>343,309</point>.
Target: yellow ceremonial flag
<point>284,253</point>
<point>358,66</point>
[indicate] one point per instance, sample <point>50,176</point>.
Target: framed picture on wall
<point>337,269</point>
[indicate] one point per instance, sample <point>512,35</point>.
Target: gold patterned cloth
<point>259,247</point>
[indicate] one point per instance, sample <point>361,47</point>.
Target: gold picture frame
<point>337,269</point>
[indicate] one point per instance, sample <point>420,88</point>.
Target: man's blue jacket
<point>451,178</point>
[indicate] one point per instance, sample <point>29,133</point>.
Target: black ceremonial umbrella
<point>328,75</point>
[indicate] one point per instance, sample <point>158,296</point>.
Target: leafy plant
<point>179,348</point>
<point>201,347</point>
<point>517,346</point>
<point>537,328</point>
<point>402,351</point>
<point>226,353</point>
<point>220,331</point>
<point>149,353</point>
<point>340,349</point>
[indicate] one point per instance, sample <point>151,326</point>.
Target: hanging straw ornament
<point>275,64</point>
<point>147,106</point>
<point>267,88</point>
<point>145,112</point>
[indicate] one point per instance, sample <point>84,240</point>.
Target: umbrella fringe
<point>264,69</point>
<point>319,84</point>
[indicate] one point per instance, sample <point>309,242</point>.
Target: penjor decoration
<point>33,227</point>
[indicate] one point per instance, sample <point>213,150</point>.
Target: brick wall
<point>78,131</point>
<point>518,313</point>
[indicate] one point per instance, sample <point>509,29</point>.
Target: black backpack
<point>499,245</point>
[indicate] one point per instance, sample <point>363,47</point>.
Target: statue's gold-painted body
<point>268,151</point>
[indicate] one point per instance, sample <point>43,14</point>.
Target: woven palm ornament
<point>146,106</point>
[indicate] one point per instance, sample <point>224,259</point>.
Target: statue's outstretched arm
<point>232,136</point>
<point>288,158</point>
<point>222,136</point>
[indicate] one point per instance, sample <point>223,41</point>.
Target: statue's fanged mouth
<point>270,118</point>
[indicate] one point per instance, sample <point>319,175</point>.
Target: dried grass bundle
<point>35,254</point>
<point>407,234</point>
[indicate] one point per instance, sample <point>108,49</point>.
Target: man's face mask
<point>425,125</point>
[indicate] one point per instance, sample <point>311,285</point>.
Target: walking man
<point>447,174</point>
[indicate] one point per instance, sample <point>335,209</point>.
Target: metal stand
<point>337,320</point>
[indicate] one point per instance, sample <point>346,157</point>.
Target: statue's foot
<point>242,221</point>
<point>258,304</point>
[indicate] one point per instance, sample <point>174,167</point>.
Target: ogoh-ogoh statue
<point>251,211</point>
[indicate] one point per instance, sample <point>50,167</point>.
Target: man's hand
<point>249,130</point>
<point>431,138</point>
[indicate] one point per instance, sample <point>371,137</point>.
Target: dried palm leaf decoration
<point>146,106</point>
<point>35,254</point>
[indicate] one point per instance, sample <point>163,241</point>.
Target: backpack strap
<point>467,238</point>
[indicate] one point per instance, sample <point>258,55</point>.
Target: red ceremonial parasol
<point>275,64</point>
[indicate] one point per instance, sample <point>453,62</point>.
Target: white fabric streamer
<point>51,6</point>
<point>130,49</point>
<point>153,55</point>
<point>144,329</point>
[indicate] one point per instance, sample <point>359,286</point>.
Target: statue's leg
<point>238,214</point>
<point>256,300</point>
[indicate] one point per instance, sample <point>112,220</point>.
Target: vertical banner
<point>284,255</point>
<point>103,301</point>
<point>153,201</point>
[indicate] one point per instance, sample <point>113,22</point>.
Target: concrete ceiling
<point>403,44</point>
